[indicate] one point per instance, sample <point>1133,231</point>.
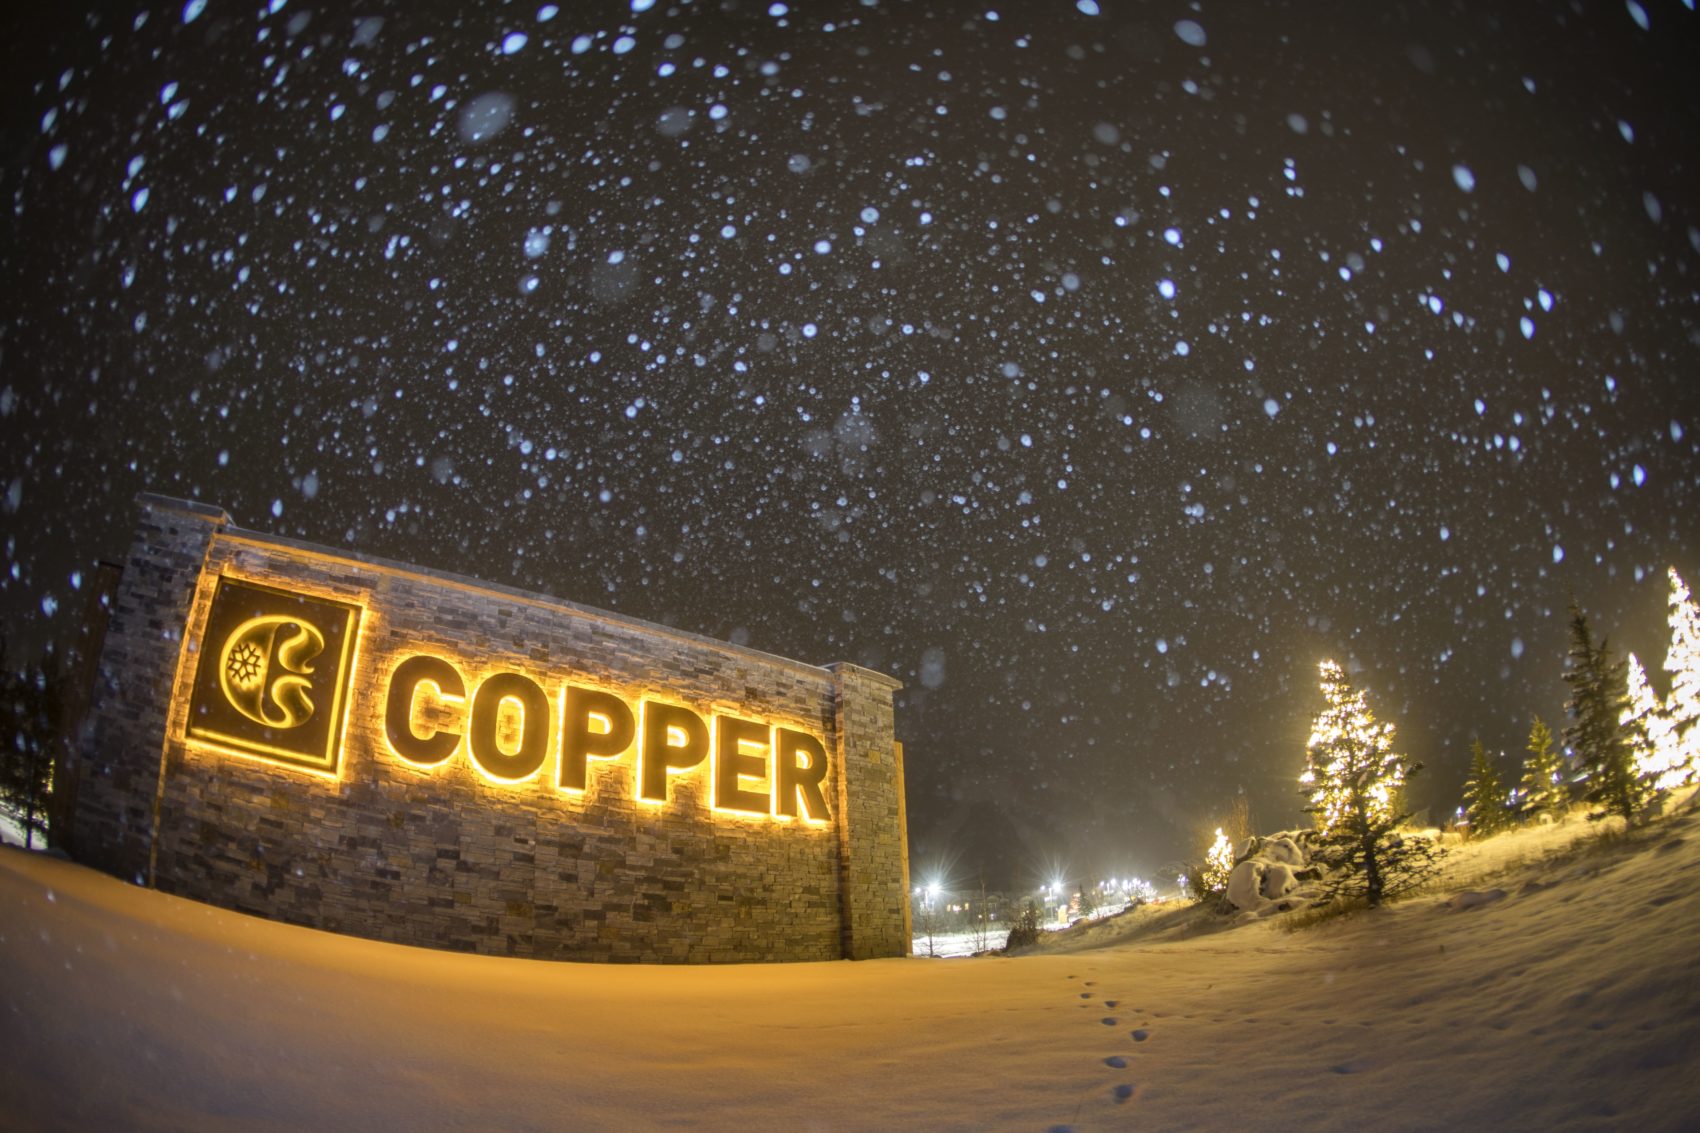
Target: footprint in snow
<point>1474,899</point>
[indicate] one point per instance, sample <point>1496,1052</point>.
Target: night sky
<point>1094,369</point>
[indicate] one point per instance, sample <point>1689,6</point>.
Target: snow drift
<point>1561,997</point>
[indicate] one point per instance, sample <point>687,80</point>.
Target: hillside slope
<point>1558,993</point>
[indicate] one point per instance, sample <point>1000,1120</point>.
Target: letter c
<point>434,747</point>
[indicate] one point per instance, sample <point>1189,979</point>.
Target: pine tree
<point>1648,732</point>
<point>1484,795</point>
<point>1598,698</point>
<point>1352,784</point>
<point>1544,788</point>
<point>1218,864</point>
<point>1682,707</point>
<point>31,717</point>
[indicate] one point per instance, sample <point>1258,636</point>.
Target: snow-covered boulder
<point>1255,884</point>
<point>1245,886</point>
<point>1278,881</point>
<point>1282,848</point>
<point>1274,874</point>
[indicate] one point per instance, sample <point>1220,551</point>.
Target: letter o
<point>487,755</point>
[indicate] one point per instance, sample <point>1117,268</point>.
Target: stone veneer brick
<point>444,857</point>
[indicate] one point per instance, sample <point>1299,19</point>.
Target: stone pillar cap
<point>873,676</point>
<point>189,507</point>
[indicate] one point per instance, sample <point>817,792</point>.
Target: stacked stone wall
<point>873,848</point>
<point>117,769</point>
<point>445,856</point>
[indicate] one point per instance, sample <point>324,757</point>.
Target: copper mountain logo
<point>273,676</point>
<point>267,667</point>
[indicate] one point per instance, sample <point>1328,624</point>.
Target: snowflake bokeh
<point>1093,372</point>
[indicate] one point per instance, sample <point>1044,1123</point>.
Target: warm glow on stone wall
<point>508,728</point>
<point>277,672</point>
<point>273,676</point>
<point>419,757</point>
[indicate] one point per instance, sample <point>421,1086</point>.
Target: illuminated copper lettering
<point>425,748</point>
<point>734,763</point>
<point>799,769</point>
<point>502,720</point>
<point>594,725</point>
<point>491,725</point>
<point>674,739</point>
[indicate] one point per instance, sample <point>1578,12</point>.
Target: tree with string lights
<point>1353,785</point>
<point>1647,730</point>
<point>1682,706</point>
<point>1218,863</point>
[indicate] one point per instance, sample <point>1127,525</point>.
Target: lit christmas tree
<point>1484,795</point>
<point>1352,784</point>
<point>1350,763</point>
<point>1544,788</point>
<point>1682,662</point>
<point>1218,864</point>
<point>1648,731</point>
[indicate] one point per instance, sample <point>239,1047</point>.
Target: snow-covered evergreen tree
<point>1484,795</point>
<point>1647,730</point>
<point>1682,706</point>
<point>1352,784</point>
<point>1544,788</point>
<point>1598,699</point>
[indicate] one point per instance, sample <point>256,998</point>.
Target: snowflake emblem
<point>244,664</point>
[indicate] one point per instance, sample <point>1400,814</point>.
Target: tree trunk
<point>1372,869</point>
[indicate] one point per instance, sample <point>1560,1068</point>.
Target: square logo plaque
<point>273,676</point>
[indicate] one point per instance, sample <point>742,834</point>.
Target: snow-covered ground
<point>1556,993</point>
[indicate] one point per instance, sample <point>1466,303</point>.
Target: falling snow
<point>1091,368</point>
